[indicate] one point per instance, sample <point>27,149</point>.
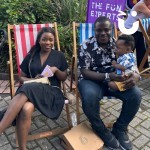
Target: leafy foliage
<point>64,12</point>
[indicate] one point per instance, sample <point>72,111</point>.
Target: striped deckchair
<point>25,37</point>
<point>144,24</point>
<point>85,30</point>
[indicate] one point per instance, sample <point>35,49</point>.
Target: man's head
<point>102,27</point>
<point>125,44</point>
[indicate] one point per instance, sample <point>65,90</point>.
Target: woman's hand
<point>38,76</point>
<point>54,69</point>
<point>23,77</point>
<point>61,75</point>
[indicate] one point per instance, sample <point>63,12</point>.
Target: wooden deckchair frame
<point>75,25</point>
<point>147,39</point>
<point>10,65</point>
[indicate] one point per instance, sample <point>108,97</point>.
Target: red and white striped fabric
<point>25,37</point>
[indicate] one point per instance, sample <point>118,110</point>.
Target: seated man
<point>95,57</point>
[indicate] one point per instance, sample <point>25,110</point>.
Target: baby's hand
<point>113,62</point>
<point>128,74</point>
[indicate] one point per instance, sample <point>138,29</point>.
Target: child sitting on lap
<point>126,62</point>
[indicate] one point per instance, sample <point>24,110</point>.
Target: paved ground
<point>139,129</point>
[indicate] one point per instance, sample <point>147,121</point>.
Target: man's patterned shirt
<point>95,58</point>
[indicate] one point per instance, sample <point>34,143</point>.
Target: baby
<point>126,62</point>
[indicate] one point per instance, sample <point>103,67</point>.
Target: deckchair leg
<point>17,145</point>
<point>68,116</point>
<point>77,106</point>
<point>67,108</point>
<point>51,133</point>
<point>8,65</point>
<point>72,70</point>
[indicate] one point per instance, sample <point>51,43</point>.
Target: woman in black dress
<point>48,99</point>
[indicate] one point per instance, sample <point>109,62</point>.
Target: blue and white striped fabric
<point>146,23</point>
<point>86,30</point>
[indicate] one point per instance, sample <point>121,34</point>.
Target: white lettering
<point>93,4</point>
<point>96,14</point>
<point>107,6</point>
<point>112,7</point>
<point>92,13</point>
<point>99,13</point>
<point>118,8</point>
<point>111,16</point>
<point>104,14</point>
<point>97,5</point>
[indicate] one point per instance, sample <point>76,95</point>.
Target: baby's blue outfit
<point>129,61</point>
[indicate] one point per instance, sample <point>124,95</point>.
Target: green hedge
<point>64,12</point>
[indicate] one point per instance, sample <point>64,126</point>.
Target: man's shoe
<point>123,139</point>
<point>109,139</point>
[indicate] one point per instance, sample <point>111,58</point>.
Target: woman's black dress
<point>48,99</point>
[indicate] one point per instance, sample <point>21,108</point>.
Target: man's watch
<point>107,77</point>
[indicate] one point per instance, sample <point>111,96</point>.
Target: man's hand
<point>131,80</point>
<point>115,77</point>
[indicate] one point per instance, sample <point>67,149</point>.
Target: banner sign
<point>108,8</point>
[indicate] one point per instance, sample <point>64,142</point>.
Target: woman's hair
<point>36,47</point>
<point>128,40</point>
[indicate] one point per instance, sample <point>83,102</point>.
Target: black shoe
<point>2,112</point>
<point>109,139</point>
<point>123,139</point>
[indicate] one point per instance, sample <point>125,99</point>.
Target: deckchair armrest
<point>8,65</point>
<point>72,72</point>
